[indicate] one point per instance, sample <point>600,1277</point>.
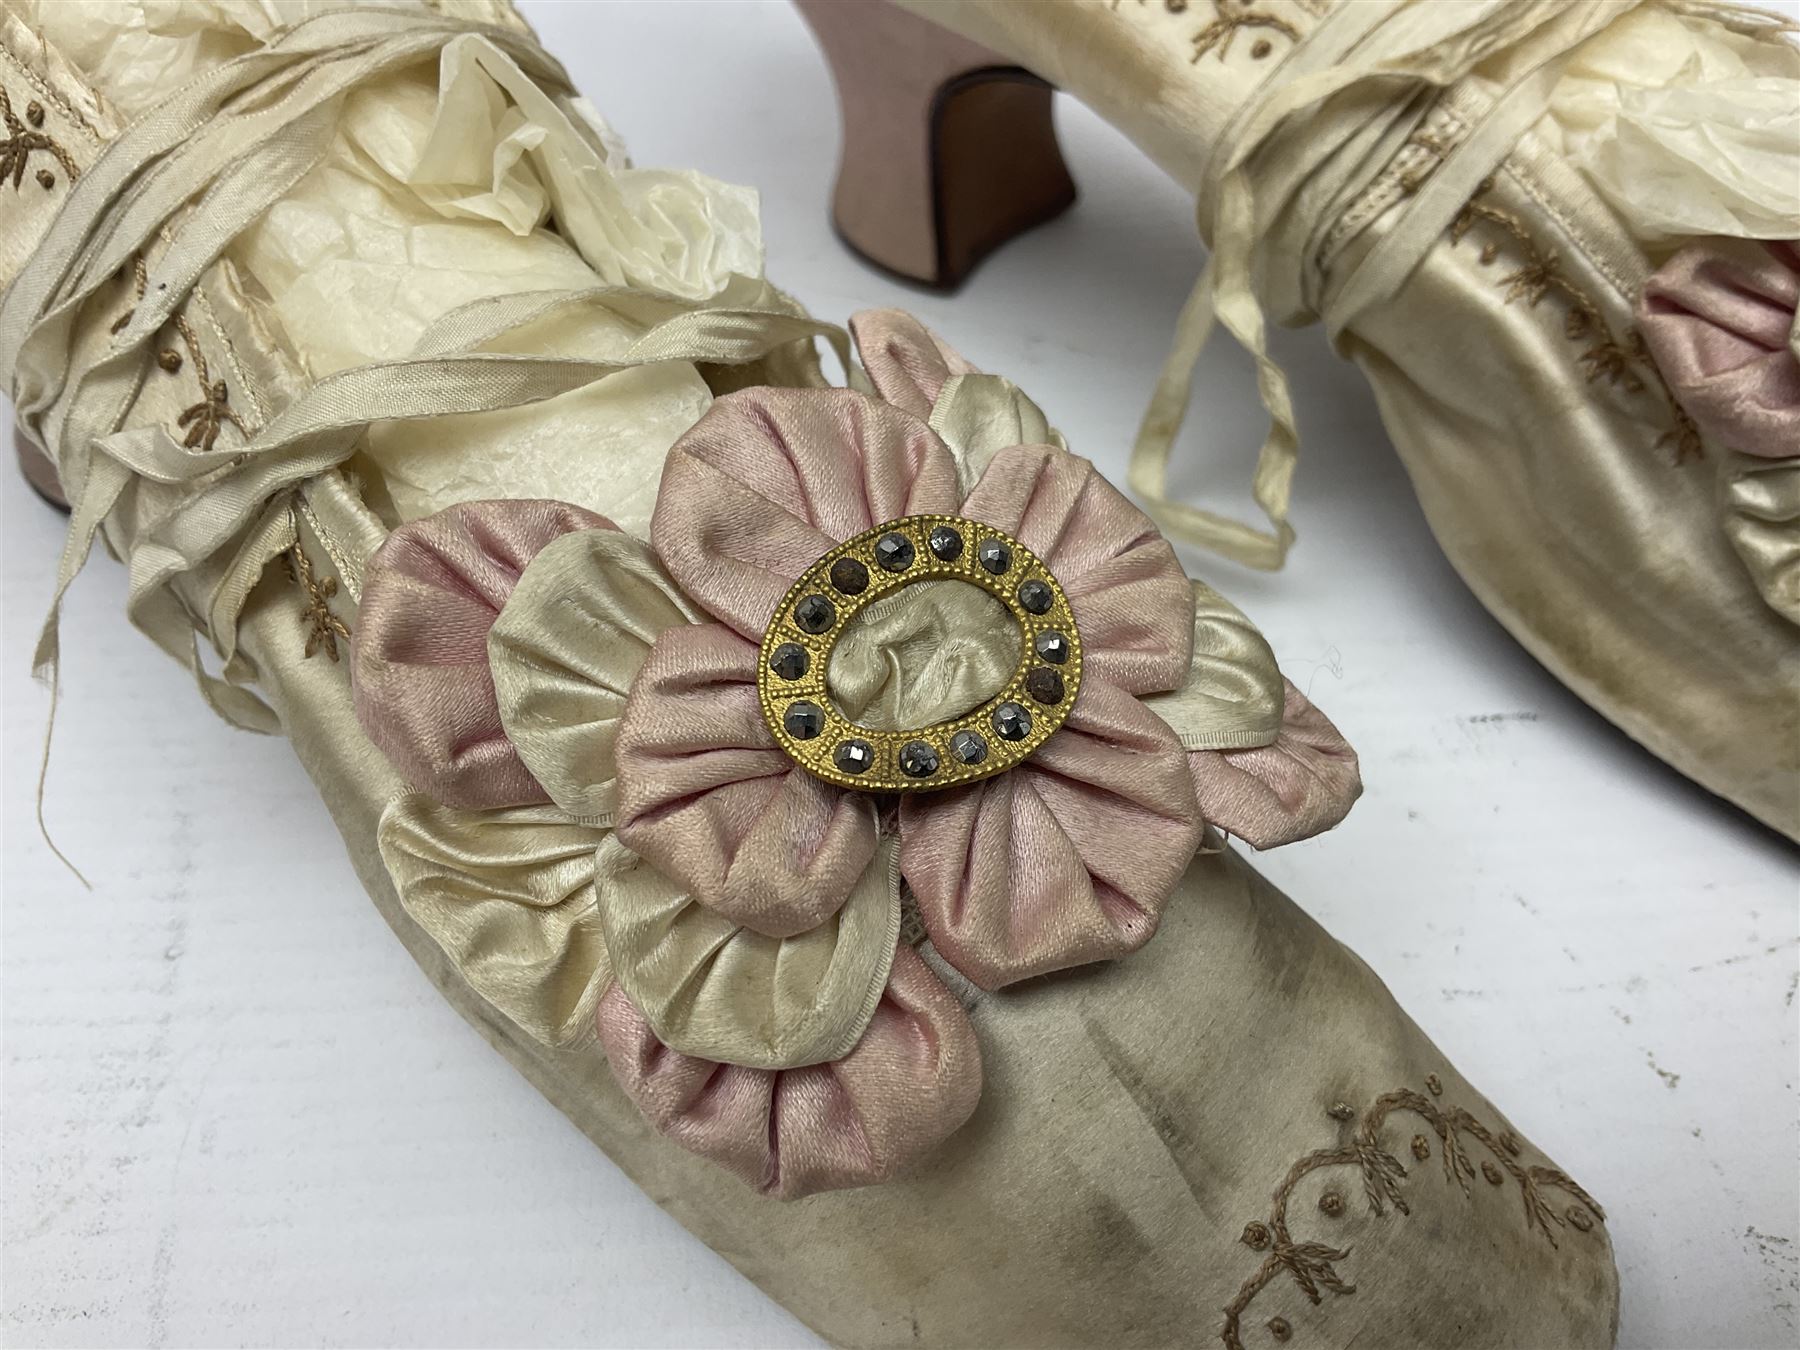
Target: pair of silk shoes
<point>1036,1057</point>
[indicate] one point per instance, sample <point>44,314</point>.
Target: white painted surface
<point>236,1114</point>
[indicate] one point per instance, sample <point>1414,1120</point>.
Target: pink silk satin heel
<point>948,150</point>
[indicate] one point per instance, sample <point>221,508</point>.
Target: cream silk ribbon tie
<point>1312,138</point>
<point>199,169</point>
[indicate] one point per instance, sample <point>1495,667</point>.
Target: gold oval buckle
<point>815,613</point>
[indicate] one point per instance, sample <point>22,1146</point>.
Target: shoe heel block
<point>949,150</point>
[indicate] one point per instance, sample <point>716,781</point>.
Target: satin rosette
<point>751,986</point>
<point>1722,319</point>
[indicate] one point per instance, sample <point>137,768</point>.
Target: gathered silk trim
<point>1429,46</point>
<point>193,174</point>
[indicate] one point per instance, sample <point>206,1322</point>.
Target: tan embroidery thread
<point>1229,18</point>
<point>201,422</point>
<point>1313,1265</point>
<point>25,139</point>
<point>323,627</point>
<point>1624,362</point>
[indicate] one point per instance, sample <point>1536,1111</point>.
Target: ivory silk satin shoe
<point>1557,239</point>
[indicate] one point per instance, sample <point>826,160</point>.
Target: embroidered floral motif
<point>204,419</point>
<point>1623,362</point>
<point>323,627</point>
<point>27,138</point>
<point>1314,1265</point>
<point>200,423</point>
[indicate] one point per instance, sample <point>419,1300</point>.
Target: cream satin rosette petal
<point>1761,505</point>
<point>980,415</point>
<point>1231,699</point>
<point>564,652</point>
<point>1268,766</point>
<point>509,896</point>
<point>976,415</point>
<point>423,688</point>
<point>721,991</point>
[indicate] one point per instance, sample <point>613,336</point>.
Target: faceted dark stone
<point>1045,685</point>
<point>853,756</point>
<point>1012,721</point>
<point>803,720</point>
<point>1052,647</point>
<point>894,552</point>
<point>849,577</point>
<point>994,555</point>
<point>815,614</point>
<point>918,760</point>
<point>789,661</point>
<point>969,747</point>
<point>945,543</point>
<point>1036,596</point>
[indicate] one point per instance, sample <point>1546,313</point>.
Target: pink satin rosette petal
<point>1302,785</point>
<point>909,1083</point>
<point>770,479</point>
<point>1133,603</point>
<point>1068,858</point>
<point>419,660</point>
<point>907,363</point>
<point>1720,319</point>
<point>762,485</point>
<point>708,798</point>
